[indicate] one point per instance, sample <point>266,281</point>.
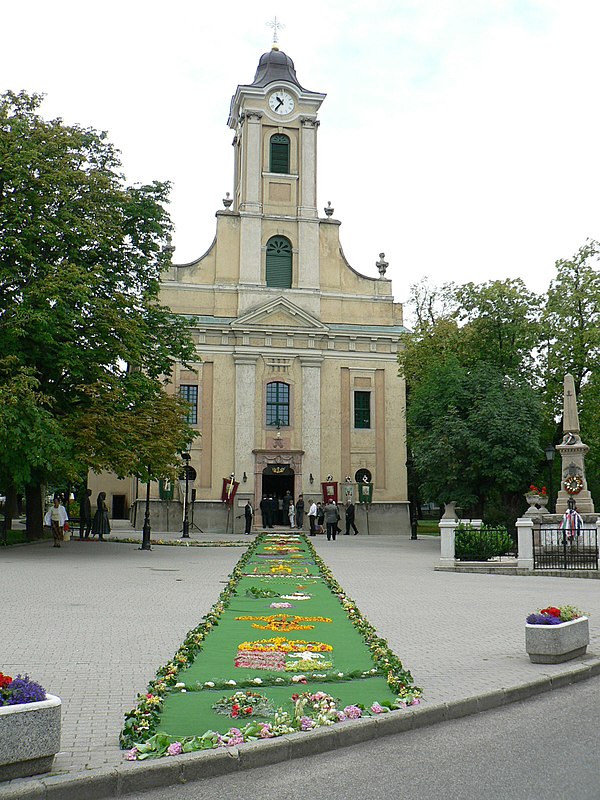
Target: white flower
<point>297,678</point>
<point>210,684</point>
<point>179,685</point>
<point>257,680</point>
<point>231,683</point>
<point>183,691</point>
<point>340,674</point>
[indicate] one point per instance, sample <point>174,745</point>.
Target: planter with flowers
<point>556,634</point>
<point>537,498</point>
<point>29,728</point>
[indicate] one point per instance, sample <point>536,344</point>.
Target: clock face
<point>281,102</point>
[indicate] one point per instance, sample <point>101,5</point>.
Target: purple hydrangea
<point>353,712</point>
<point>22,690</point>
<point>543,619</point>
<point>175,749</point>
<point>306,724</point>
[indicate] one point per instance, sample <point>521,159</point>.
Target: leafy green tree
<point>81,255</point>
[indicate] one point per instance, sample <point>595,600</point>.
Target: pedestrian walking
<point>350,514</point>
<point>85,515</point>
<point>331,520</point>
<point>312,519</point>
<point>300,512</point>
<point>100,524</point>
<point>56,518</point>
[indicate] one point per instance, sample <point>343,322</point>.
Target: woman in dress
<point>101,525</point>
<point>56,519</point>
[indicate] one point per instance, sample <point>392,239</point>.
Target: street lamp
<point>186,525</point>
<point>550,451</point>
<point>146,528</point>
<point>412,498</point>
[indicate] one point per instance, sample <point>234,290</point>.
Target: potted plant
<point>29,727</point>
<point>556,634</point>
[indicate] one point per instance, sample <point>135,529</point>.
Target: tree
<point>81,255</point>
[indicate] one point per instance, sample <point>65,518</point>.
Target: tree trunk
<point>35,511</point>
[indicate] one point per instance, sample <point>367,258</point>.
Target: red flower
<point>4,680</point>
<point>248,710</point>
<point>551,611</point>
<point>295,697</point>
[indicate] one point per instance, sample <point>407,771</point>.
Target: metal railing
<point>557,549</point>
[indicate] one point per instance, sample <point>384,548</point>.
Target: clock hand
<point>280,103</point>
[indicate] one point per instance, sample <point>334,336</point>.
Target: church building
<point>297,376</point>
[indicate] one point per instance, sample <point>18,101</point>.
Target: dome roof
<point>275,66</point>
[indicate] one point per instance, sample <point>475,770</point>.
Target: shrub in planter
<point>473,544</point>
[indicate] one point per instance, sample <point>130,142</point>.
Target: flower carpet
<point>283,649</point>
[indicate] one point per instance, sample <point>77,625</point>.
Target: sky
<point>459,137</point>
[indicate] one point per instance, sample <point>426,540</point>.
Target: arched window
<point>278,404</point>
<point>280,153</point>
<point>279,262</point>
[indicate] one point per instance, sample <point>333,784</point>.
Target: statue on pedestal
<point>572,452</point>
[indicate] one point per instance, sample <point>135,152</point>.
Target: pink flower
<point>353,712</point>
<point>266,732</point>
<point>175,749</point>
<point>415,702</point>
<point>131,755</point>
<point>341,716</point>
<point>306,724</point>
<point>377,709</point>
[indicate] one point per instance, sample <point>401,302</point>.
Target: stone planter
<point>553,644</point>
<point>29,738</point>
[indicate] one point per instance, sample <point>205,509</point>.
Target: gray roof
<point>275,66</point>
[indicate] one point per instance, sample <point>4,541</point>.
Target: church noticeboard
<point>365,493</point>
<point>330,491</point>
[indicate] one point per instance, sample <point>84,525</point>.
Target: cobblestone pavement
<point>93,621</point>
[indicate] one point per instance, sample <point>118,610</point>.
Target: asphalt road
<point>545,748</point>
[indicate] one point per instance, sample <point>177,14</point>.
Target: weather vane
<point>277,26</point>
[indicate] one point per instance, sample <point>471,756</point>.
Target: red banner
<point>229,489</point>
<point>330,491</point>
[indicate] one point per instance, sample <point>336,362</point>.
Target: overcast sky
<point>460,137</point>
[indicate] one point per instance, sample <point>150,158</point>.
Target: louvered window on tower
<point>279,263</point>
<point>280,153</point>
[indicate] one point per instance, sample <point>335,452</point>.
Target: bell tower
<point>275,169</point>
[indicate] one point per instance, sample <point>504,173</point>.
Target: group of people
<point>282,511</point>
<point>57,518</point>
<point>327,519</point>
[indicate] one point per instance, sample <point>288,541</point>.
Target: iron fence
<point>557,549</point>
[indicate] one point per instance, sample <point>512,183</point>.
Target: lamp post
<point>412,499</point>
<point>549,451</point>
<point>146,528</point>
<point>186,525</point>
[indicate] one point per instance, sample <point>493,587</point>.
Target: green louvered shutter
<point>279,263</point>
<point>280,154</point>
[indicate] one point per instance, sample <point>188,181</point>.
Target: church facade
<point>297,376</point>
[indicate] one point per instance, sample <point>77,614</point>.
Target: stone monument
<point>572,451</point>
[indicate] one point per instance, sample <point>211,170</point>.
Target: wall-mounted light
<point>311,479</point>
<point>245,477</point>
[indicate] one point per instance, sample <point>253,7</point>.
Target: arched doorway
<point>277,479</point>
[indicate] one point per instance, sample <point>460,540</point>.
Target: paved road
<point>93,622</point>
<point>542,749</point>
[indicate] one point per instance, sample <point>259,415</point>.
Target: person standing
<point>272,510</point>
<point>350,514</point>
<point>292,514</point>
<point>300,512</point>
<point>56,519</point>
<point>100,524</point>
<point>331,520</point>
<point>248,514</point>
<point>312,519</point>
<point>85,515</point>
<point>287,501</point>
<point>264,511</point>
<point>320,517</point>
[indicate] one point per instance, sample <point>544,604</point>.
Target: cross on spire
<point>277,26</point>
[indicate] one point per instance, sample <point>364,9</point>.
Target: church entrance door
<point>276,481</point>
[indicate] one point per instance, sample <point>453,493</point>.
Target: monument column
<point>572,452</point>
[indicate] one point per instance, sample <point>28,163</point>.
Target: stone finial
<point>227,201</point>
<point>329,210</point>
<point>382,265</point>
<point>570,414</point>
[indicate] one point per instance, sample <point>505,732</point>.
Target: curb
<point>131,777</point>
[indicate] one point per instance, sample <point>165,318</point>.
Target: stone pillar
<point>525,543</point>
<point>308,162</point>
<point>251,181</point>
<point>245,397</point>
<point>447,533</point>
<point>311,420</point>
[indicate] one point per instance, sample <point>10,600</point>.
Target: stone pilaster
<point>251,189</point>
<point>245,398</point>
<point>311,420</point>
<point>308,185</point>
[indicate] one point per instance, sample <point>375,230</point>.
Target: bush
<point>472,544</point>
